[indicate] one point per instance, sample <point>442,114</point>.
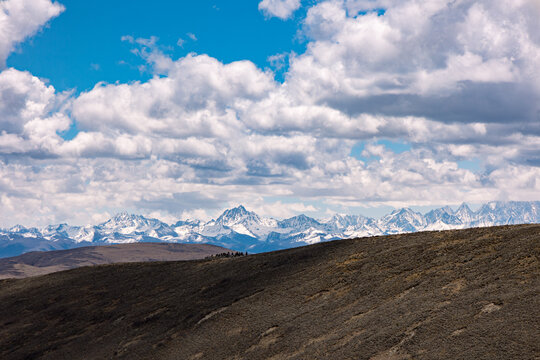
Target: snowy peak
<point>188,222</point>
<point>237,215</point>
<point>241,221</point>
<point>133,222</point>
<point>17,229</point>
<point>23,231</point>
<point>512,212</point>
<point>124,219</point>
<point>124,227</point>
<point>343,221</point>
<point>464,213</point>
<point>402,220</point>
<point>444,215</point>
<point>300,222</point>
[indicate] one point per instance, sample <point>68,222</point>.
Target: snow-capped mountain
<point>240,221</point>
<point>402,220</point>
<point>243,230</point>
<point>445,218</point>
<point>465,214</point>
<point>24,232</point>
<point>126,227</point>
<point>300,223</point>
<point>507,213</point>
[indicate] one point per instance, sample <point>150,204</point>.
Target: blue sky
<point>82,46</point>
<point>181,109</point>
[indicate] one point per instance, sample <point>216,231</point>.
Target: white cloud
<point>279,209</point>
<point>418,53</point>
<point>29,122</point>
<point>277,61</point>
<point>23,98</point>
<point>197,90</point>
<point>20,19</point>
<point>190,115</point>
<point>196,214</point>
<point>282,9</point>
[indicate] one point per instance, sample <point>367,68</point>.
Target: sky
<point>181,109</point>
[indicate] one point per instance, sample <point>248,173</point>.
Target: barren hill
<point>464,294</point>
<point>45,262</point>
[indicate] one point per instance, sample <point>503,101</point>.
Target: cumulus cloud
<point>195,86</point>
<point>190,116</point>
<point>29,123</point>
<point>362,61</point>
<point>282,9</point>
<point>20,19</point>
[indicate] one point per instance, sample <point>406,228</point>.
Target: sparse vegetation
<point>228,254</point>
<point>464,294</point>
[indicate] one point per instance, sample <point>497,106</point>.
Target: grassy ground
<point>464,294</point>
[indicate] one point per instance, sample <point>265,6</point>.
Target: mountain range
<point>242,230</point>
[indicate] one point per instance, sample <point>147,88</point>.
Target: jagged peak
<point>17,228</point>
<point>240,209</point>
<point>124,215</point>
<point>298,219</point>
<point>464,207</point>
<point>346,216</point>
<point>301,217</point>
<point>235,214</point>
<point>402,211</point>
<point>442,210</point>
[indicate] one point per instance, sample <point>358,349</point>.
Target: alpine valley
<point>242,230</point>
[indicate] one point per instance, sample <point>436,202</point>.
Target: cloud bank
<point>456,80</point>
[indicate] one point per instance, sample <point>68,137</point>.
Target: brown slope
<point>468,294</point>
<point>45,262</point>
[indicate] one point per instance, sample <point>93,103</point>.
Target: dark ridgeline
<point>228,254</point>
<point>463,294</point>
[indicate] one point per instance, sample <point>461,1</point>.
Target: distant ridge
<point>243,230</point>
<point>45,262</point>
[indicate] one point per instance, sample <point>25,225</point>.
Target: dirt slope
<point>468,294</point>
<point>45,262</point>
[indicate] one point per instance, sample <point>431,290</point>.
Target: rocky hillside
<point>461,294</point>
